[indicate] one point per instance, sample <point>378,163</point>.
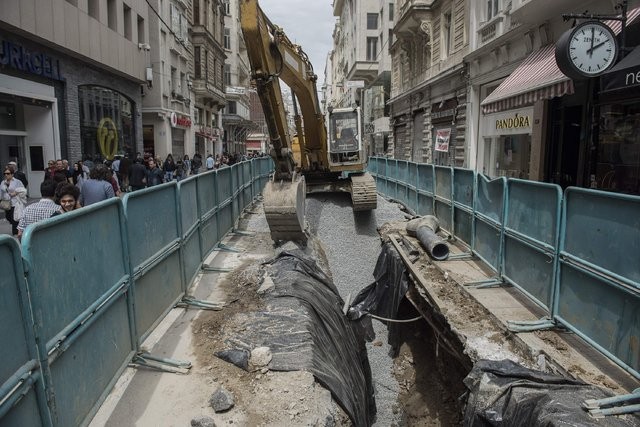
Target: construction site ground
<point>416,387</point>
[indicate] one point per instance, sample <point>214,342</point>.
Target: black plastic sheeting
<point>384,296</point>
<point>504,393</point>
<point>305,328</point>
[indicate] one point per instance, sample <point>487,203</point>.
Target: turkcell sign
<point>15,56</point>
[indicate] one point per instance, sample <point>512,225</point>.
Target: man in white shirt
<point>209,162</point>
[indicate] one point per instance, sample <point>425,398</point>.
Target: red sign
<point>183,121</point>
<point>442,139</point>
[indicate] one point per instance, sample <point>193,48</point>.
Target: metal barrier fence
<point>576,254</point>
<point>88,287</point>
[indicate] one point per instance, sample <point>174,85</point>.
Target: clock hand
<point>590,51</point>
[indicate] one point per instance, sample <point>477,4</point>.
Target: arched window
<point>106,123</point>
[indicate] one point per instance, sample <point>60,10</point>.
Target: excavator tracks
<point>364,195</point>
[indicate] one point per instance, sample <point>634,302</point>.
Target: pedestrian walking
<point>154,174</point>
<point>169,168</point>
<point>137,175</point>
<point>98,187</point>
<point>10,196</point>
<point>68,197</point>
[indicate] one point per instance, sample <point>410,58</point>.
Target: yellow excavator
<point>329,160</point>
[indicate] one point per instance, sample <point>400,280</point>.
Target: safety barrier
<point>88,287</point>
<point>576,254</point>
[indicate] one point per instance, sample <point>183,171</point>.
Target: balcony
<point>363,70</point>
<point>412,14</point>
<point>207,93</point>
<point>491,29</point>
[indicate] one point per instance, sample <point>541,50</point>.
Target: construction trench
<point>282,351</point>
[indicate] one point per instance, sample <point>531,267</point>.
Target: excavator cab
<point>345,137</point>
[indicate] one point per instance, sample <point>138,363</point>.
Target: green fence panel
<point>488,219</point>
<point>79,283</point>
<point>22,397</point>
<point>190,229</point>
<point>463,182</point>
<point>532,226</point>
<point>224,196</point>
<point>598,295</point>
<point>443,204</point>
<point>154,243</point>
<point>425,189</point>
<point>208,212</point>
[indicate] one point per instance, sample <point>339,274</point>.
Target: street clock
<point>586,50</point>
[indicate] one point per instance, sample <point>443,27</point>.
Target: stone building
<point>71,73</point>
<point>429,81</point>
<point>236,120</point>
<point>167,120</point>
<point>207,36</point>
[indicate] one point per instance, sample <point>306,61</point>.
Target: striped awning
<point>537,77</point>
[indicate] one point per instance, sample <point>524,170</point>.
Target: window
<point>94,9</point>
<point>196,12</point>
<point>112,15</point>
<point>73,2</point>
<point>174,82</point>
<point>227,74</point>
<point>227,38</point>
<point>391,12</point>
<point>206,65</point>
<point>372,48</point>
<point>390,39</point>
<point>227,8</point>
<point>183,83</point>
<point>447,38</point>
<point>493,6</point>
<point>231,107</point>
<point>141,38</point>
<point>197,67</point>
<point>115,112</point>
<point>126,12</point>
<point>372,21</point>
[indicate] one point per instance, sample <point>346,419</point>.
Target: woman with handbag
<point>9,196</point>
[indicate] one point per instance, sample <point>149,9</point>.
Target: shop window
<point>618,155</point>
<point>8,116</point>
<point>509,156</point>
<point>111,130</point>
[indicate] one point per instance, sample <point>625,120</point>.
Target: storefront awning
<point>624,75</point>
<point>537,77</point>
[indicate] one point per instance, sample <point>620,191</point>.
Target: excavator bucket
<point>284,208</point>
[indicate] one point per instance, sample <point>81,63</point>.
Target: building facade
<point>167,119</point>
<point>236,118</point>
<point>207,36</point>
<point>359,66</point>
<point>533,122</point>
<point>429,81</point>
<point>70,81</point>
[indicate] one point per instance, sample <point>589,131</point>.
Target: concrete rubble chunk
<point>260,357</point>
<point>221,400</point>
<point>203,421</point>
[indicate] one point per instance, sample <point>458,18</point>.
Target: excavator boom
<point>339,167</point>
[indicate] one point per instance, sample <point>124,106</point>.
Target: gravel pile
<point>352,245</point>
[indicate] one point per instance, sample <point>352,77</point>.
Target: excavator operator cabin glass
<point>344,132</point>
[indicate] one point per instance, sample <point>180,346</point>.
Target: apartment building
<point>207,36</point>
<point>359,66</point>
<point>429,81</point>
<point>236,117</point>
<point>71,73</point>
<point>167,119</point>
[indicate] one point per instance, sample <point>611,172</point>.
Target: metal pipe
<point>435,245</point>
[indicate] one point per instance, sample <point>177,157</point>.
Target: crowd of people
<point>68,187</point>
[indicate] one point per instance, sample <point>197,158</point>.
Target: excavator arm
<point>274,58</point>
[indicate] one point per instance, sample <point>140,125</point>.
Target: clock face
<point>592,48</point>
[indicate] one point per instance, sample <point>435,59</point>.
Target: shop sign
<point>442,139</point>
<point>15,56</point>
<point>234,90</point>
<point>513,122</point>
<point>179,121</point>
